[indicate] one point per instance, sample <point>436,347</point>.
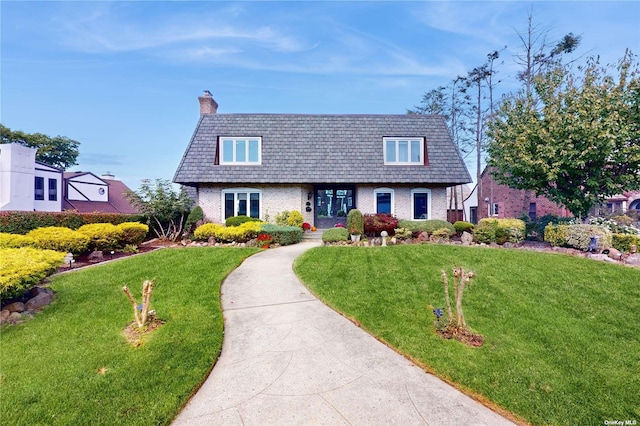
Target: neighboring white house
<point>26,184</point>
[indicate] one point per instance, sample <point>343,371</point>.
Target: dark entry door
<point>332,205</point>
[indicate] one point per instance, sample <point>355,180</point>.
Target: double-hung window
<point>241,202</point>
<point>403,151</point>
<point>39,188</point>
<point>242,150</point>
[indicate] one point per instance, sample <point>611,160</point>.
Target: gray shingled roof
<point>299,148</point>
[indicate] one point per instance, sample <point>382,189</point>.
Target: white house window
<point>403,151</point>
<point>495,209</point>
<point>53,189</point>
<point>39,188</point>
<point>384,200</point>
<point>240,150</point>
<point>421,203</point>
<point>241,202</point>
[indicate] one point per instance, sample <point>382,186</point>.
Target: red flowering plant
<point>306,226</point>
<point>339,225</point>
<point>264,239</point>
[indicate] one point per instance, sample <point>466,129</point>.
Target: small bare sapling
<point>141,312</point>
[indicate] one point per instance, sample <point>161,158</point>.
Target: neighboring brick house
<point>491,199</point>
<point>321,165</point>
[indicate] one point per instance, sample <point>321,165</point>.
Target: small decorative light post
<point>68,258</point>
<point>111,253</point>
<point>384,235</point>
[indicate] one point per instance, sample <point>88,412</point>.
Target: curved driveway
<point>289,359</point>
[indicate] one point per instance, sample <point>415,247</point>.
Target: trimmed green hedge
<point>15,222</point>
<point>577,236</point>
<point>461,226</point>
<point>334,235</point>
<point>623,242</point>
<point>239,220</point>
<point>490,230</point>
<point>16,241</point>
<point>283,235</point>
<point>428,226</point>
<point>104,236</point>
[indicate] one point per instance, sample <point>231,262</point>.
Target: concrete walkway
<point>289,359</point>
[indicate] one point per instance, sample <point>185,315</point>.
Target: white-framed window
<point>403,151</point>
<point>384,200</point>
<point>495,209</point>
<point>241,202</point>
<point>241,150</point>
<point>421,203</point>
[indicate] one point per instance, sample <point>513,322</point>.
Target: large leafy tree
<point>578,142</point>
<point>59,151</point>
<point>166,207</point>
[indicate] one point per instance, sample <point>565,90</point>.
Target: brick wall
<point>513,202</point>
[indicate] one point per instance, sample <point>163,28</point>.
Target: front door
<point>332,205</point>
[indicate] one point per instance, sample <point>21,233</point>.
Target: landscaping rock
<point>4,315</point>
<point>423,236</point>
<point>42,299</point>
<point>14,307</point>
<point>633,259</point>
<point>96,256</point>
<point>14,318</point>
<point>614,254</point>
<point>508,245</point>
<point>467,238</point>
<point>211,241</point>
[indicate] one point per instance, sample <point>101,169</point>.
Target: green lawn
<point>49,371</point>
<point>562,333</point>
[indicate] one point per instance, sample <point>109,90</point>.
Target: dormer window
<point>403,151</point>
<point>241,151</point>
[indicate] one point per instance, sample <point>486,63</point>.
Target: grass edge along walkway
<point>71,364</point>
<point>561,332</point>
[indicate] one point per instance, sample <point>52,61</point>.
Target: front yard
<point>561,333</point>
<point>71,364</point>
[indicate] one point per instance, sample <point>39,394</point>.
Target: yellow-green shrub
<point>295,219</point>
<point>22,268</point>
<point>15,241</point>
<point>500,230</point>
<point>60,239</point>
<point>204,232</point>
<point>132,233</point>
<point>623,242</point>
<point>556,235</point>
<point>104,236</point>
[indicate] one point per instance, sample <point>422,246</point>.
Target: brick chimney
<point>207,104</point>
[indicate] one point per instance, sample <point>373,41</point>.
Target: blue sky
<point>123,78</point>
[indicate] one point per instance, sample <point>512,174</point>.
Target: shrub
<point>196,216</point>
<point>22,268</point>
<point>441,234</point>
<point>295,219</point>
<point>403,233</point>
<point>16,241</point>
<point>490,230</point>
<point>23,222</point>
<point>334,235</point>
<point>428,226</point>
<point>206,231</point>
<point>556,235</point>
<point>461,226</point>
<point>281,218</point>
<point>579,236</point>
<point>60,239</point>
<point>536,229</point>
<point>132,233</point>
<point>283,235</point>
<point>374,224</point>
<point>623,242</point>
<point>104,236</point>
<point>239,220</point>
<point>355,222</point>
<point>306,226</point>
<point>240,234</point>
